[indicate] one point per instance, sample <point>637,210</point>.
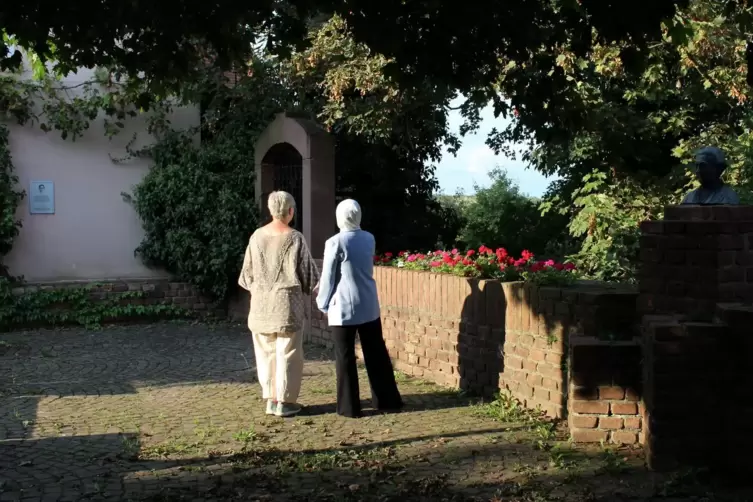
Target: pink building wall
<point>94,232</point>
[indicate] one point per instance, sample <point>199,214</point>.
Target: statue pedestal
<point>697,257</point>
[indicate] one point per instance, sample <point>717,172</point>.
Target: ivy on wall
<point>31,307</point>
<point>10,198</point>
<point>75,306</point>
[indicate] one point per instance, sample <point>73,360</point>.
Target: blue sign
<point>42,197</point>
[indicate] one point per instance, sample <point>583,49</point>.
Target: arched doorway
<point>285,165</point>
<point>298,156</point>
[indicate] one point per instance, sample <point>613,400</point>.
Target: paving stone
<point>172,411</point>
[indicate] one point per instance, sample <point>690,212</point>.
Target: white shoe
<point>287,409</point>
<point>271,407</point>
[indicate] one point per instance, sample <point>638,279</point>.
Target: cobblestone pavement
<point>172,412</point>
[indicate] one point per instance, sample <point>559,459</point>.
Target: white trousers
<point>279,363</point>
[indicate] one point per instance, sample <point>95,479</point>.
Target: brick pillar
<point>738,406</point>
<point>695,258</point>
<point>687,391</point>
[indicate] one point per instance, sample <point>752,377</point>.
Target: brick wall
<point>697,378</point>
<point>155,291</point>
<point>739,407</point>
<point>696,289</point>
<point>483,336</point>
<point>539,323</point>
<point>442,328</point>
<point>698,256</point>
<point>605,391</point>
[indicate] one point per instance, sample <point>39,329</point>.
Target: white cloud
<point>481,159</point>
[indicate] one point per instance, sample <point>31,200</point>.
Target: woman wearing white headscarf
<point>348,295</point>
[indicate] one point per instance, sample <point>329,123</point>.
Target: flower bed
<point>484,263</point>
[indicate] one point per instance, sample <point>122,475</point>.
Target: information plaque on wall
<point>42,197</point>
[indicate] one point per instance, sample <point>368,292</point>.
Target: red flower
<point>436,264</point>
<point>388,255</point>
<point>538,266</point>
<point>470,253</point>
<point>526,255</point>
<point>569,266</point>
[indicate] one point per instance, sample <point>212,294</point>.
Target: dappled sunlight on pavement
<point>172,412</point>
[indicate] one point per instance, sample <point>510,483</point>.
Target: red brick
<point>588,435</point>
<point>611,393</point>
<point>624,409</point>
<point>550,384</point>
<point>548,370</point>
<point>730,242</point>
<point>675,257</point>
<point>557,397</point>
<point>632,395</point>
<point>633,423</point>
<point>624,437</point>
<point>529,365</point>
<point>610,423</point>
<point>652,227</point>
<point>525,390</point>
<point>537,355</point>
<point>541,394</point>
<point>534,380</point>
<point>583,422</point>
<point>593,407</point>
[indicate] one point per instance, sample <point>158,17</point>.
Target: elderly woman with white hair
<point>278,270</point>
<point>348,295</point>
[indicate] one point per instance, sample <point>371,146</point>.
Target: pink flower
<point>526,255</point>
<point>436,264</point>
<point>455,251</point>
<point>549,263</point>
<point>470,253</point>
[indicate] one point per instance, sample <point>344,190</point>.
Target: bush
<point>198,210</point>
<point>10,198</point>
<point>501,215</point>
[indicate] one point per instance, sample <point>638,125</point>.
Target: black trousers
<point>384,393</point>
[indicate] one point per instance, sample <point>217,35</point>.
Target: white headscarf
<point>348,214</point>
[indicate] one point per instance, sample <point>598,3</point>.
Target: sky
<point>474,160</point>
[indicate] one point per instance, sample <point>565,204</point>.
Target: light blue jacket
<point>347,289</point>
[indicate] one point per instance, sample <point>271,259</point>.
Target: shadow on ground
<point>513,472</point>
<point>171,412</point>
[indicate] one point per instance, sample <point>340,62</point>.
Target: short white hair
<point>279,204</point>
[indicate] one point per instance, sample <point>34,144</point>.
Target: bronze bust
<point>709,166</point>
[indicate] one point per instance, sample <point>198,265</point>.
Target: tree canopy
<point>460,47</point>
